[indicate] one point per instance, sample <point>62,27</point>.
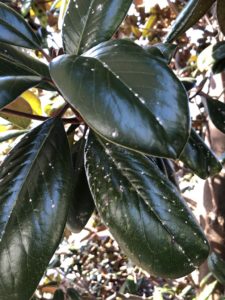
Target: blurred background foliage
<point>90,265</point>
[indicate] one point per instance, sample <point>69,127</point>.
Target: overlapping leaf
<point>143,210</point>
<point>128,96</point>
<point>192,12</point>
<point>221,14</point>
<point>216,110</point>
<point>164,51</point>
<point>199,158</point>
<point>15,31</point>
<point>212,57</point>
<point>82,205</point>
<point>217,266</point>
<point>166,167</point>
<point>18,56</point>
<point>4,136</point>
<point>35,189</point>
<point>89,22</point>
<point>14,80</point>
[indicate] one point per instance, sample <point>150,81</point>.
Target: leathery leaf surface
<point>82,206</point>
<point>199,158</point>
<point>35,189</point>
<point>89,22</point>
<point>128,96</point>
<point>15,30</point>
<point>144,211</point>
<point>192,12</point>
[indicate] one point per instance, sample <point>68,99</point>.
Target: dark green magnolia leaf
<point>59,295</point>
<point>35,189</point>
<point>143,211</point>
<point>167,169</point>
<point>216,110</point>
<point>129,97</point>
<point>12,86</point>
<point>213,57</point>
<point>165,51</point>
<point>15,31</point>
<point>18,56</point>
<point>217,267</point>
<point>129,286</point>
<point>221,15</point>
<point>82,205</point>
<point>72,294</point>
<point>192,12</point>
<point>14,80</point>
<point>90,22</point>
<point>10,134</point>
<point>188,82</point>
<point>199,158</point>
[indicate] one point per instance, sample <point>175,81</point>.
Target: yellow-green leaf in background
<point>150,22</point>
<point>18,105</point>
<point>56,5</point>
<point>62,11</point>
<point>34,102</point>
<point>4,127</point>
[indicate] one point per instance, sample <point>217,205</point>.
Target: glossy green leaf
<point>14,80</point>
<point>22,57</point>
<point>166,167</point>
<point>165,51</point>
<point>188,82</point>
<point>10,134</point>
<point>221,14</point>
<point>16,55</point>
<point>127,96</point>
<point>217,266</point>
<point>216,110</point>
<point>89,22</point>
<point>189,16</point>
<point>199,158</point>
<point>15,31</point>
<point>12,86</point>
<point>82,205</point>
<point>59,295</point>
<point>212,57</point>
<point>144,211</point>
<point>35,189</point>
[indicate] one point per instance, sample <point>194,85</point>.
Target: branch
<point>48,58</point>
<point>36,117</point>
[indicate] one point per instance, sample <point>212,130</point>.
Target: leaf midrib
<point>29,170</point>
<point>84,27</point>
<point>4,23</point>
<point>114,159</point>
<point>163,131</point>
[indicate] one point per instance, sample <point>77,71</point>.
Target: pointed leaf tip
<point>144,210</point>
<point>199,158</point>
<point>15,31</point>
<point>191,13</point>
<point>35,189</point>
<point>89,22</point>
<point>127,96</point>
